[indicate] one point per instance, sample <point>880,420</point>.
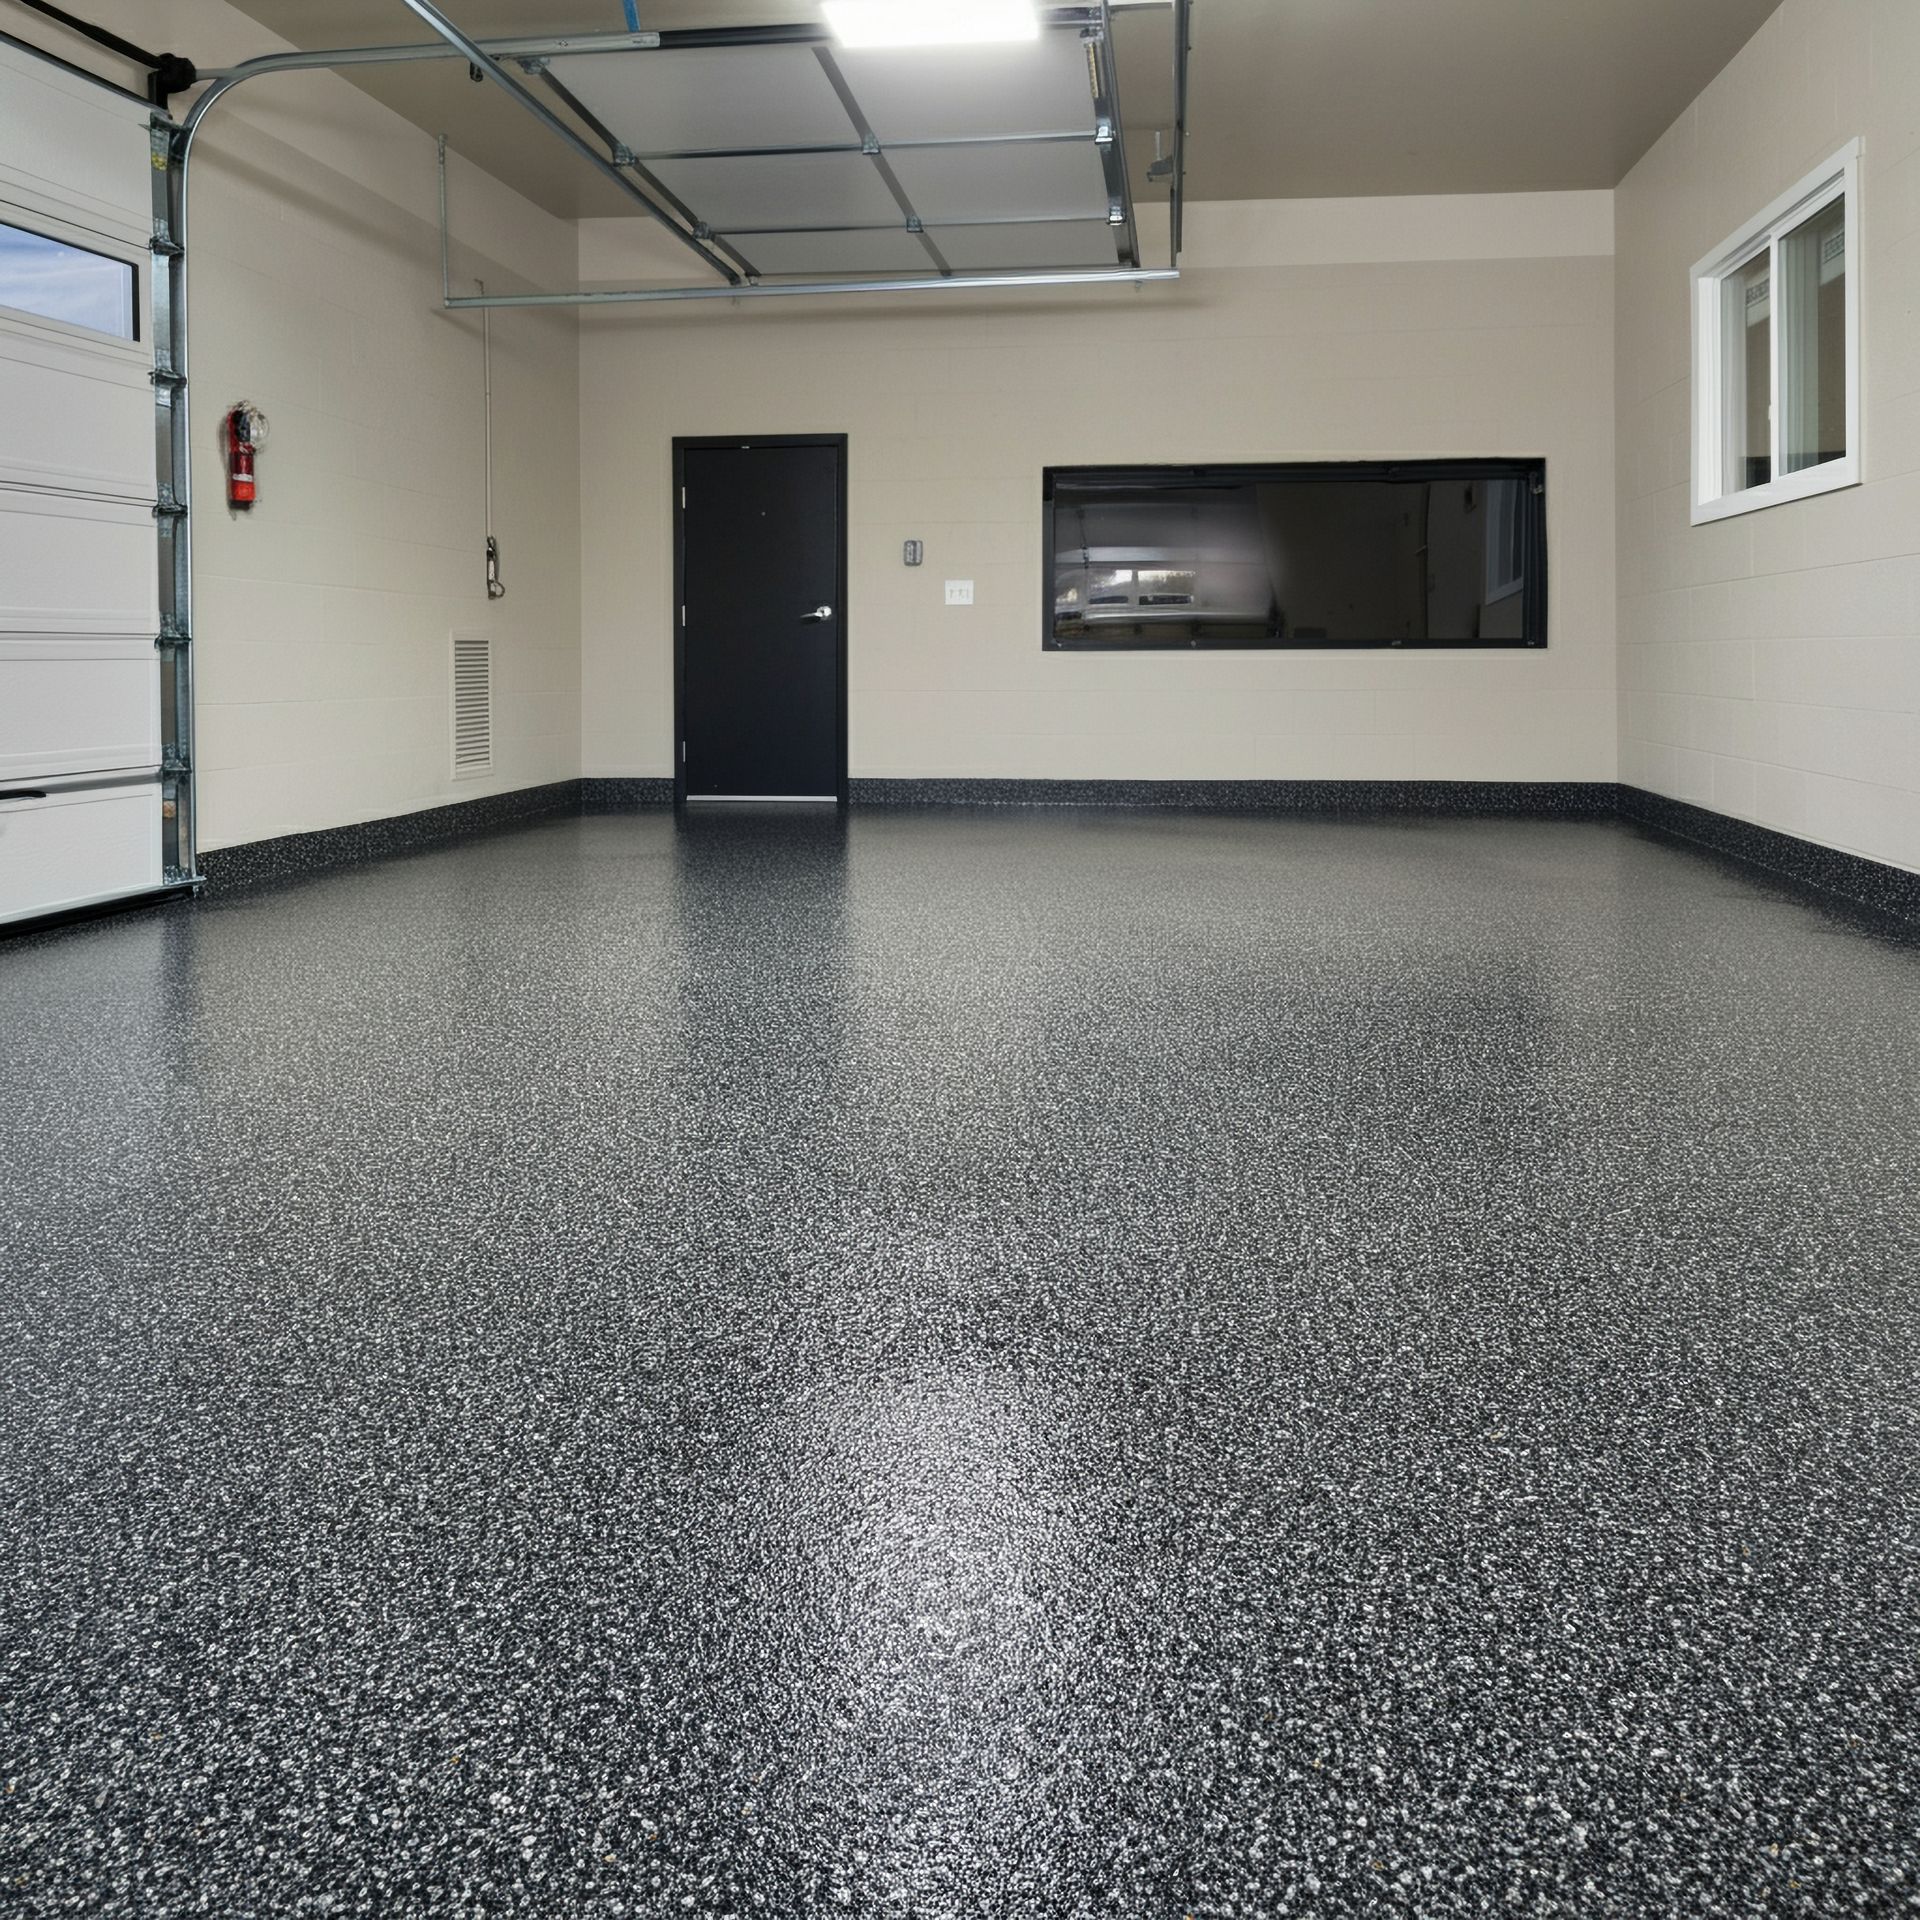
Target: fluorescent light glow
<point>931,23</point>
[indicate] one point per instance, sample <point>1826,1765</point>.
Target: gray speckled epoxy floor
<point>965,1366</point>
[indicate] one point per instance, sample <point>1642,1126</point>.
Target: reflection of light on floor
<point>951,1538</point>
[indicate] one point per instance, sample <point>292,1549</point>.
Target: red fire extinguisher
<point>246,434</point>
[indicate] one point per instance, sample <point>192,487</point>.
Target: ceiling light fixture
<point>931,23</point>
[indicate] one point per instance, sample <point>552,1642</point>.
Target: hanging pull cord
<point>496,587</point>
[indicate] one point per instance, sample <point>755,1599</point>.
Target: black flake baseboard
<point>1860,882</point>
<point>1847,877</point>
<point>1458,799</point>
<point>601,795</point>
<point>293,855</point>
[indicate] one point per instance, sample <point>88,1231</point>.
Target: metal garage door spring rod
<point>167,73</point>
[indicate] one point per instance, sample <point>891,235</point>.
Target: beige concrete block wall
<point>323,617</point>
<point>1359,329</point>
<point>1770,664</point>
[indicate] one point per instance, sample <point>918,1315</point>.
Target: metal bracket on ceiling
<point>794,289</point>
<point>1113,156</point>
<point>1177,193</point>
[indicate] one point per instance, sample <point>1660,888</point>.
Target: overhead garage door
<point>80,737</point>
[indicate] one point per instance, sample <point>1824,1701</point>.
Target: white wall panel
<point>955,404</point>
<point>1770,664</point>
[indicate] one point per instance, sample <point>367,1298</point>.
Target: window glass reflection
<point>1266,560</point>
<point>55,281</point>
<point>1746,370</point>
<point>1813,341</point>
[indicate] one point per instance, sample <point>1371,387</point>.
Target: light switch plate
<point>959,593</point>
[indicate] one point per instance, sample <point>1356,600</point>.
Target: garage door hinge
<point>167,507</point>
<point>163,243</point>
<point>172,634</point>
<point>166,377</point>
<point>174,761</point>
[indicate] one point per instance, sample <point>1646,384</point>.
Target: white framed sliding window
<point>1776,350</point>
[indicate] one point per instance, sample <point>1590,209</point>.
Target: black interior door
<point>762,659</point>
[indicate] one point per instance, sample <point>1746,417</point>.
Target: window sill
<point>1832,477</point>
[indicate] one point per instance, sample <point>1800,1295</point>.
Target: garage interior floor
<point>974,1365</point>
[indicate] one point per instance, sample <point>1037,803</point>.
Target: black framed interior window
<point>1432,553</point>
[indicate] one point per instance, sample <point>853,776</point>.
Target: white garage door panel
<point>77,845</point>
<point>76,417</point>
<point>709,97</point>
<point>907,94</point>
<point>75,565</point>
<point>77,706</point>
<point>80,674</point>
<point>74,147</point>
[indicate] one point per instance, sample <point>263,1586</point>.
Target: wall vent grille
<point>472,704</point>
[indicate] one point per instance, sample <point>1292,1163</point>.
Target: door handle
<point>819,613</point>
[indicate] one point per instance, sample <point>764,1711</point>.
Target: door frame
<point>682,445</point>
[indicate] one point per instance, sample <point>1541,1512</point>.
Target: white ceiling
<point>1290,98</point>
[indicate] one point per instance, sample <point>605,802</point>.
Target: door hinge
<point>683,753</point>
<point>683,499</point>
<point>683,613</point>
